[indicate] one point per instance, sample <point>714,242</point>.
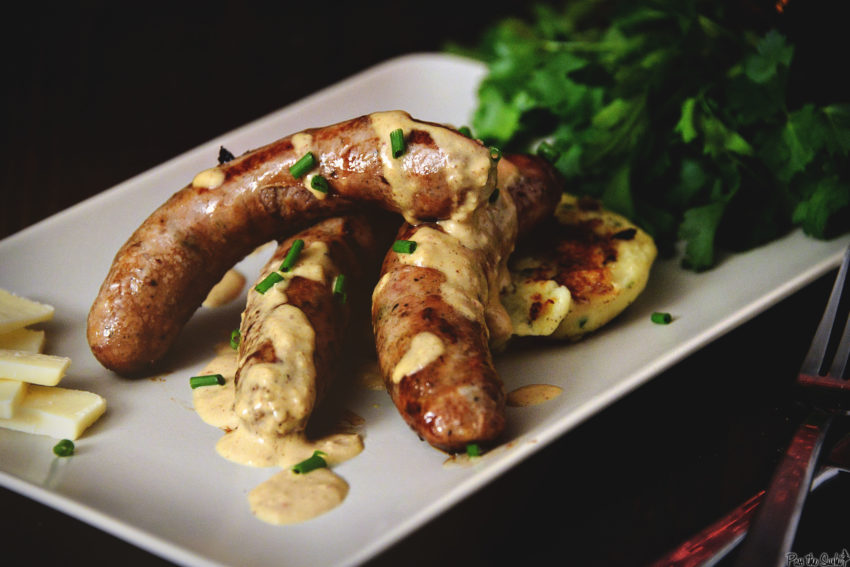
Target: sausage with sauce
<point>436,312</point>
<point>169,264</point>
<point>292,332</point>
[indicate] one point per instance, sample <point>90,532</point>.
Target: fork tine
<point>817,361</point>
<point>839,361</point>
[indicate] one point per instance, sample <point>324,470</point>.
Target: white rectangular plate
<point>148,471</point>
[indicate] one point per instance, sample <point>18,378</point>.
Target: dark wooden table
<point>97,93</point>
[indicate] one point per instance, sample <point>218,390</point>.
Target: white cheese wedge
<point>17,311</point>
<point>56,412</point>
<point>27,340</point>
<point>35,368</point>
<point>11,394</point>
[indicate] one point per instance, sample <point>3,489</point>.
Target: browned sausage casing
<point>458,398</point>
<point>166,268</point>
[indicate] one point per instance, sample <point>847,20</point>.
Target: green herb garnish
<point>684,116</point>
<point>303,165</point>
<point>206,380</point>
<point>404,246</point>
<point>292,256</point>
<point>473,450</point>
<point>661,318</point>
<point>235,337</point>
<point>339,288</point>
<point>397,142</point>
<point>268,282</point>
<point>319,183</point>
<point>65,448</point>
<point>313,462</point>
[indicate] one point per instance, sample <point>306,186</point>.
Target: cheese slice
<point>11,394</point>
<point>35,368</point>
<point>28,340</point>
<point>17,311</point>
<point>56,412</point>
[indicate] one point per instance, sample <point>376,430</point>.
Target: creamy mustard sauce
<point>225,290</point>
<point>301,144</point>
<point>214,404</point>
<point>368,375</point>
<point>208,179</point>
<point>462,167</point>
<point>470,248</point>
<point>274,398</point>
<point>424,349</point>
<point>290,498</point>
<point>286,498</point>
<point>466,285</point>
<point>532,395</point>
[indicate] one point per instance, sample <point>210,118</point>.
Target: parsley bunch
<point>674,114</point>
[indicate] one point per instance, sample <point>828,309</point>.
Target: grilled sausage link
<point>292,332</point>
<point>436,312</point>
<point>161,275</point>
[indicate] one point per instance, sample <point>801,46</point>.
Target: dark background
<point>96,92</point>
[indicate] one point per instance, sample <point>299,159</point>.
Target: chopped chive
<point>235,337</point>
<point>268,282</point>
<point>473,450</point>
<point>404,246</point>
<point>465,131</point>
<point>303,165</point>
<point>206,380</point>
<point>65,448</point>
<point>397,142</point>
<point>548,152</point>
<point>494,195</point>
<point>339,288</point>
<point>313,462</point>
<point>495,153</point>
<point>319,183</point>
<point>292,255</point>
<point>661,318</point>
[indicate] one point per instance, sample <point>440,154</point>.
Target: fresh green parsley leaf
<point>675,113</point>
<point>772,52</point>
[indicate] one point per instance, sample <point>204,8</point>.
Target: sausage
<point>161,275</point>
<point>292,333</point>
<point>436,313</point>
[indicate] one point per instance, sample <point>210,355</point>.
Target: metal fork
<point>822,375</point>
<point>715,542</point>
